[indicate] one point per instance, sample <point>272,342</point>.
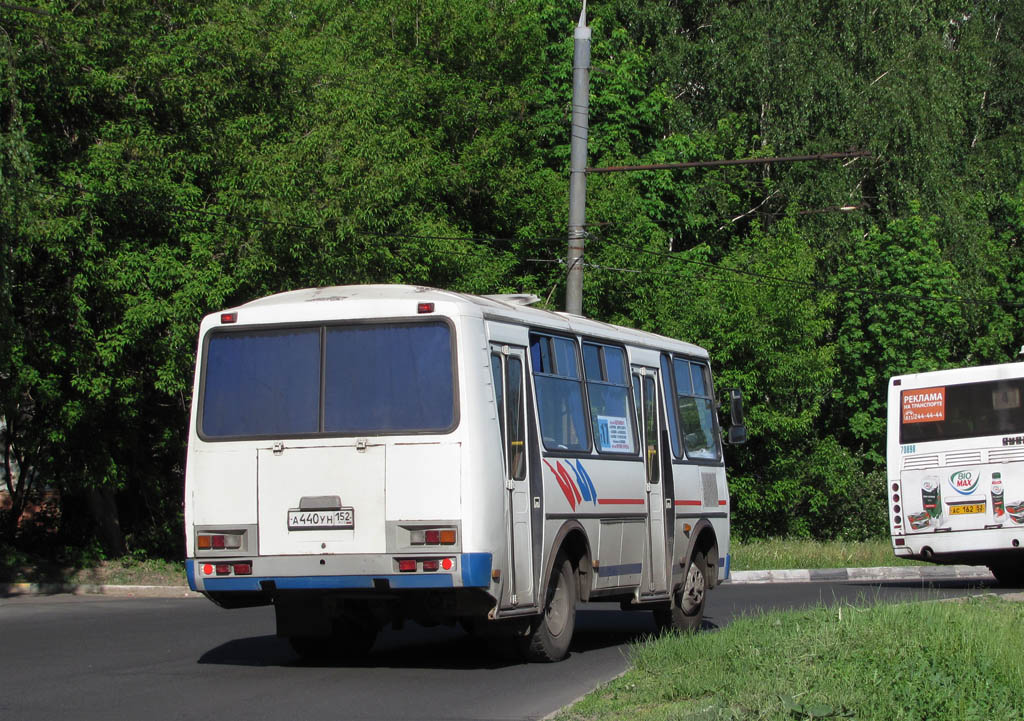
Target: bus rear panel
<point>955,461</point>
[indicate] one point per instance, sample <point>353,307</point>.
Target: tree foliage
<point>159,161</point>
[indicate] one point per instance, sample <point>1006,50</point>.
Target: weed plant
<point>930,661</point>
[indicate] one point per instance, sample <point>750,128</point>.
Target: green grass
<point>130,572</point>
<point>935,661</point>
<point>784,553</point>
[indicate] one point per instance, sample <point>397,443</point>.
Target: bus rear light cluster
<point>433,537</point>
<point>412,565</point>
<point>235,568</point>
<point>218,541</point>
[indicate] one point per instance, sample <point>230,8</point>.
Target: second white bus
<point>363,455</point>
<point>955,461</point>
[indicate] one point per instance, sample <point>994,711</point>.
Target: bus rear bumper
<point>473,570</point>
<point>972,547</point>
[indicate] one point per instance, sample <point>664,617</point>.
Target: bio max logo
<point>964,482</point>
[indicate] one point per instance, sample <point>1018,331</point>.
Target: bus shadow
<point>443,647</point>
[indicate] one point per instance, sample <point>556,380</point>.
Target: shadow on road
<point>417,647</point>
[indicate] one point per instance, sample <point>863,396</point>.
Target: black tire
<point>685,612</point>
<point>351,639</point>
<point>551,632</point>
<point>1009,575</point>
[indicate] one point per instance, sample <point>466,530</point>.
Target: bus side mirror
<point>737,431</point>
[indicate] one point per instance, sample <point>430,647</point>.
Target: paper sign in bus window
<point>614,434</point>
<point>924,405</point>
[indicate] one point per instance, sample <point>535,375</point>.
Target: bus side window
<point>559,389</point>
<point>516,419</point>
<point>608,392</point>
<point>673,421</point>
<point>651,430</point>
<point>499,395</point>
<point>696,409</point>
<point>638,404</point>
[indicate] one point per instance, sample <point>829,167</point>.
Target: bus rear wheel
<point>685,612</point>
<point>551,632</point>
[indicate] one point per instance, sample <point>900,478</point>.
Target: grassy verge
<point>80,568</point>
<point>782,553</point>
<point>932,660</point>
<point>129,572</point>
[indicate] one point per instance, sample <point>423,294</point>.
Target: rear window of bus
<point>328,380</point>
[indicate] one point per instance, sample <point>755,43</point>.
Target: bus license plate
<point>329,520</point>
<point>966,508</point>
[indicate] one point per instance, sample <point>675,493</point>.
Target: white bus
<point>365,455</point>
<point>955,461</point>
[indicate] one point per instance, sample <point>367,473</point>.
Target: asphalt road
<point>94,657</point>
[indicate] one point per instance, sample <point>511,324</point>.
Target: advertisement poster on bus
<point>924,405</point>
<point>962,498</point>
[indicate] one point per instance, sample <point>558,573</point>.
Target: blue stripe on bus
<point>190,573</point>
<point>476,570</point>
<point>581,483</point>
<point>296,583</point>
<point>624,569</point>
<point>586,479</point>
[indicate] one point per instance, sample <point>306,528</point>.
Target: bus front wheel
<point>551,632</point>
<point>685,612</point>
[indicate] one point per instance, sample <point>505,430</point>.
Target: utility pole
<point>578,164</point>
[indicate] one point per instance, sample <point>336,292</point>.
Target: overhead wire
<point>818,286</point>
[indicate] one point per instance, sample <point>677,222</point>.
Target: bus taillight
<point>433,537</point>
<point>234,568</point>
<point>218,541</point>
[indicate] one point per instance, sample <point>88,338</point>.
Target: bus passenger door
<point>645,395</point>
<point>508,364</point>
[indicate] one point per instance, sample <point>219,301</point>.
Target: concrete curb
<point>884,573</point>
<point>93,589</point>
